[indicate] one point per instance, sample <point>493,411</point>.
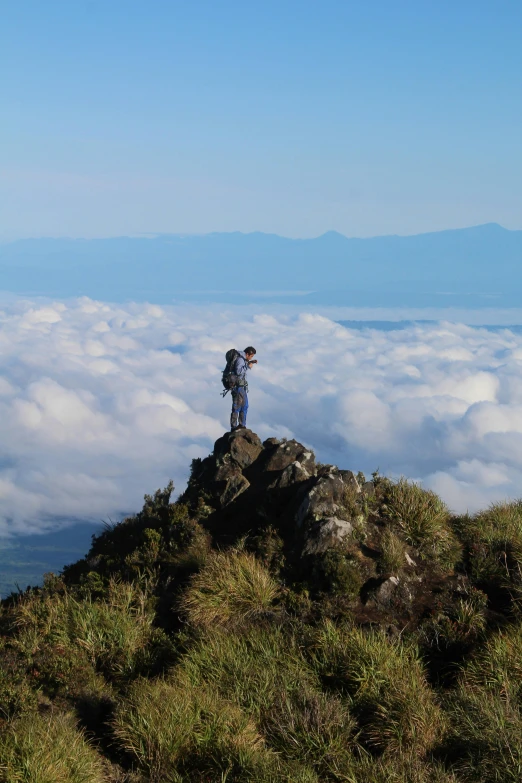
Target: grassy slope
<point>159,657</point>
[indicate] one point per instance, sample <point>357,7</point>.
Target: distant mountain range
<point>478,266</point>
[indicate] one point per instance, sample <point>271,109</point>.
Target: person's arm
<point>240,366</point>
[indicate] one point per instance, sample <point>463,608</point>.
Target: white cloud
<point>101,403</point>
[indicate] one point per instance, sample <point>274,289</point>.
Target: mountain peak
<point>331,235</point>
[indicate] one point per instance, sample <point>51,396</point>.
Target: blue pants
<point>239,406</point>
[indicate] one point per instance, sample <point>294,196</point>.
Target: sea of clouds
<point>102,403</point>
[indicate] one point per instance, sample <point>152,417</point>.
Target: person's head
<point>250,352</point>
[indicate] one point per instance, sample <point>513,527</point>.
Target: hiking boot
<point>240,427</point>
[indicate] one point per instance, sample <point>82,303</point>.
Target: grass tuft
<point>314,728</point>
<point>498,665</point>
<point>177,732</point>
<point>461,623</point>
<point>250,668</point>
<point>484,737</point>
<point>494,542</point>
<point>406,768</point>
<point>396,709</point>
<point>232,588</point>
<point>16,694</point>
<point>47,749</point>
<point>393,553</point>
<point>423,519</point>
<point>66,637</point>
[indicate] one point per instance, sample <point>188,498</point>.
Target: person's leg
<point>244,408</point>
<point>236,405</point>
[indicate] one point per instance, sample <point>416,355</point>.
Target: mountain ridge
<point>389,270</point>
<point>182,235</point>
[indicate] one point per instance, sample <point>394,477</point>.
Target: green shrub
<point>385,680</point>
<point>161,534</point>
<point>175,730</point>
<point>337,571</point>
<point>47,749</point>
<point>232,587</point>
<point>297,601</point>
<point>423,519</point>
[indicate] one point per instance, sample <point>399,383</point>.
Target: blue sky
<point>292,117</point>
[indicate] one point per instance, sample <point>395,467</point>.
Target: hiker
<point>242,363</point>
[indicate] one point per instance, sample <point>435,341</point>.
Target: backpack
<point>229,378</point>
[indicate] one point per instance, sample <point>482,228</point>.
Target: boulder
<point>292,474</point>
<point>243,446</point>
<point>325,534</point>
<point>228,482</point>
<point>349,480</point>
<point>233,488</point>
<point>386,590</point>
<point>326,498</point>
<point>270,442</point>
<point>389,592</point>
<point>284,453</point>
<point>324,517</point>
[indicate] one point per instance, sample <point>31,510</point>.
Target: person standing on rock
<point>243,362</point>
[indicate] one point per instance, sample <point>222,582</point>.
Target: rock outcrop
<point>331,525</point>
<point>247,482</point>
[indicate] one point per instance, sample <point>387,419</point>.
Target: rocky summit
<point>248,483</point>
<point>336,531</point>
